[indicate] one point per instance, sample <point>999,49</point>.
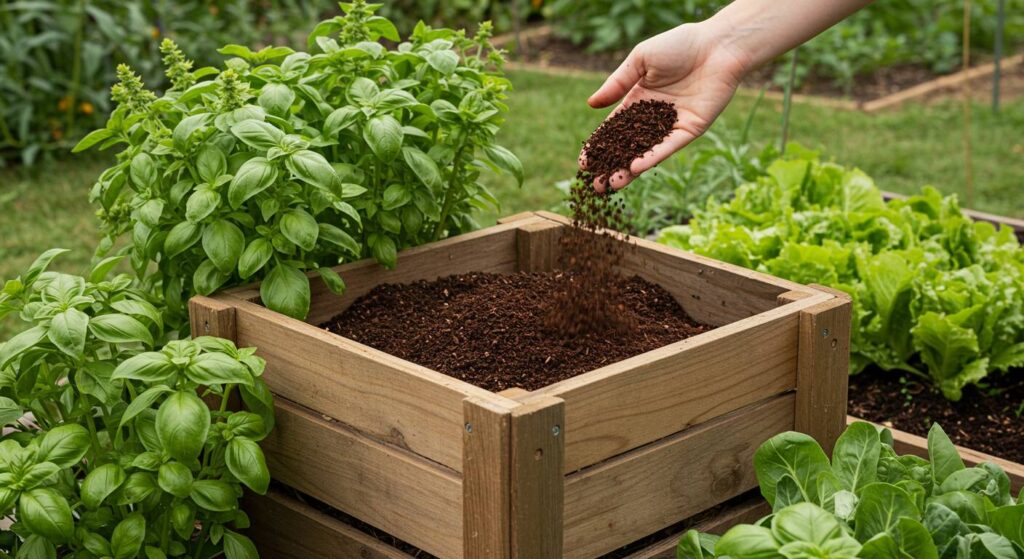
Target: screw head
<point>556,430</point>
<point>469,427</point>
<point>824,333</point>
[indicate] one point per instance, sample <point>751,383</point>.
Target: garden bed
<point>586,465</point>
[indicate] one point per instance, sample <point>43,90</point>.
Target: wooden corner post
<point>823,364</point>
<point>486,478</point>
<point>538,481</point>
<point>537,246</point>
<point>210,317</point>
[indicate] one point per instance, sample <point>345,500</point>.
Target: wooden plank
<point>516,217</point>
<point>486,496</point>
<point>285,528</point>
<point>623,500</point>
<point>538,451</point>
<point>386,397</point>
<point>384,486</point>
<point>210,317</point>
<point>488,250</point>
<point>634,402</point>
<point>823,369</point>
<point>938,84</point>
<point>908,443</point>
<point>746,512</point>
<point>537,246</point>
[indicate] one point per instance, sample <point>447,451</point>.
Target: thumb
<point>619,83</point>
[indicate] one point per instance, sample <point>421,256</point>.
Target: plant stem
<point>449,199</point>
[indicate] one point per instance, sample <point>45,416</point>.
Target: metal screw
<point>556,430</point>
<point>824,333</point>
<point>469,427</point>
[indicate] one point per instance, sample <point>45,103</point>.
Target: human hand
<point>694,68</point>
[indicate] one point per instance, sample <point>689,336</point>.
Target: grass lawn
<point>46,206</point>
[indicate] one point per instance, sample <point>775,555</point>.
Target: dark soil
<point>989,421</point>
<point>488,329</point>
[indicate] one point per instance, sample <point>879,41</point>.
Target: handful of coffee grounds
<point>589,300</point>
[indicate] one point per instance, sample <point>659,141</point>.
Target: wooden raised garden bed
<point>575,469</point>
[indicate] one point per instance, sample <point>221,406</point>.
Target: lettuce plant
<point>284,162</point>
<point>108,447</point>
<point>871,503</point>
<point>934,293</point>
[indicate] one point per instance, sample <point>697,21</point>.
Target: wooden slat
<point>823,370</point>
<point>284,528</point>
<point>621,501</point>
<point>653,395</point>
<point>907,443</point>
<point>938,84</point>
<point>746,512</point>
<point>210,317</point>
<point>415,500</point>
<point>486,495</point>
<point>516,217</point>
<point>538,248</point>
<point>537,454</point>
<point>488,250</point>
<point>389,398</point>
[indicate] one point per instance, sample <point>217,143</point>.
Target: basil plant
<point>284,162</point>
<point>109,447</point>
<point>870,503</point>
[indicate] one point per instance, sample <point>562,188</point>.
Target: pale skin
<point>698,66</point>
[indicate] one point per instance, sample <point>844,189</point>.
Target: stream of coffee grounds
<point>589,298</point>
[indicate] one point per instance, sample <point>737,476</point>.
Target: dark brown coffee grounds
<point>487,329</point>
<point>627,135</point>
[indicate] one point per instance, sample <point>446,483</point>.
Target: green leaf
<point>10,412</point>
<point>805,522</point>
<point>855,457</point>
<point>181,237</point>
<point>396,196</point>
<point>505,160</point>
<point>120,329</point>
<point>253,177</point>
<point>142,171</point>
<point>182,423</point>
<point>384,250</point>
<point>68,331</point>
<point>149,367</point>
<point>340,238</point>
<point>91,139</point>
<point>245,461</point>
<point>208,278</point>
<point>696,545</point>
<point>384,136</point>
<point>943,455</point>
<point>915,540</point>
<point>144,401</point>
<point>276,98</point>
<point>183,520</point>
<point>214,495</point>
<point>332,280</point>
<point>300,228</point>
<point>46,513</point>
<point>36,547</point>
<point>38,474</point>
<point>211,163</point>
<point>188,126</point>
<point>64,445</point>
<point>211,369</point>
<point>150,213</point>
<point>313,168</point>
<point>791,453</point>
<point>128,536</point>
<point>100,271</point>
<point>254,257</point>
<point>15,346</point>
<point>237,546</point>
<point>424,167</point>
<point>362,91</point>
<point>257,134</point>
<point>175,478</point>
<point>286,290</point>
<point>339,120</point>
<point>201,204</point>
<point>100,484</point>
<point>879,509</point>
<point>223,242</point>
<point>1008,522</point>
<point>444,61</point>
<point>747,541</point>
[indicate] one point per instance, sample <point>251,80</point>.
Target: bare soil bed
<point>490,329</point>
<point>989,421</point>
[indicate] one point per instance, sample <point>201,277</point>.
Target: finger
<point>600,185</point>
<point>582,159</point>
<point>618,83</point>
<point>675,141</point>
<point>620,179</point>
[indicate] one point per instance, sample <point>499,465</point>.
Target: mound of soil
<point>488,329</point>
<point>990,421</point>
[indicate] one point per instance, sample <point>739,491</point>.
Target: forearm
<point>760,30</point>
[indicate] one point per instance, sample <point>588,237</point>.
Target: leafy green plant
<point>934,293</point>
<point>108,448</point>
<point>285,161</point>
<point>871,503</point>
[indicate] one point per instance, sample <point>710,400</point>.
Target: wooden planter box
<point>574,469</point>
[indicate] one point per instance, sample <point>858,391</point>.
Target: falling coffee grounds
<point>588,298</point>
<point>486,329</point>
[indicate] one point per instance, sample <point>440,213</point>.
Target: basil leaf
<point>424,167</point>
<point>257,134</point>
<point>182,424</point>
<point>217,368</point>
<point>253,177</point>
<point>100,484</point>
<point>120,329</point>
<point>150,367</point>
<point>223,242</point>
<point>68,331</point>
<point>46,513</point>
<point>126,541</point>
<point>175,478</point>
<point>384,136</point>
<point>311,167</point>
<point>214,495</point>
<point>64,445</point>
<point>254,257</point>
<point>181,238</point>
<point>300,228</point>
<point>286,290</point>
<point>246,462</point>
<point>340,238</point>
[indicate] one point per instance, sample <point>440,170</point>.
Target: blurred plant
<point>608,25</point>
<point>455,13</point>
<point>107,447</point>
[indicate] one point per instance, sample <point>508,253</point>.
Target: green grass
<point>46,206</point>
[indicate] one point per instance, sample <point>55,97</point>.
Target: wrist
<point>729,41</point>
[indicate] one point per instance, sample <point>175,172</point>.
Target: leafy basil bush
<point>871,503</point>
<point>107,447</point>
<point>934,293</point>
<point>284,161</point>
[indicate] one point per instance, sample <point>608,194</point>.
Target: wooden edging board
<point>907,443</point>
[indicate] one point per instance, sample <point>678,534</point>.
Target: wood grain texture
<point>537,456</point>
<point>285,528</point>
<point>386,397</point>
<point>823,370</point>
<point>486,492</point>
<point>623,500</point>
<point>653,395</point>
<point>537,246</point>
<point>516,217</point>
<point>211,317</point>
<point>908,443</point>
<point>746,512</point>
<point>387,487</point>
